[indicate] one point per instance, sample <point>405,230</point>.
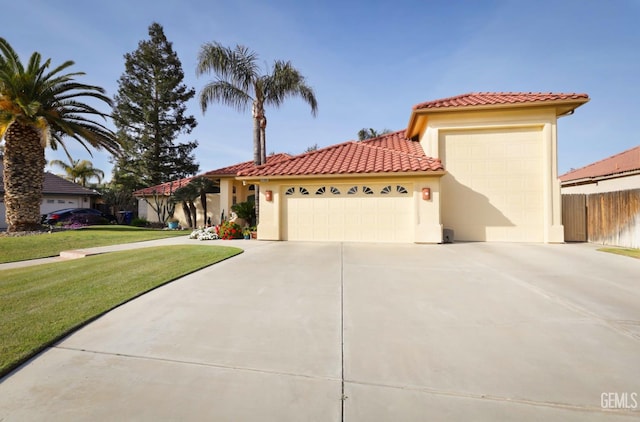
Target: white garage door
<point>355,212</point>
<point>494,187</point>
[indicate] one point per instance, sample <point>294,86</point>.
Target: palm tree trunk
<point>187,213</point>
<point>23,177</point>
<point>203,202</point>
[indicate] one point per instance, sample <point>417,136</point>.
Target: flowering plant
<point>229,230</point>
<point>209,233</point>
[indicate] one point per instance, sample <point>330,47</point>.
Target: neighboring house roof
<point>56,185</point>
<point>163,188</point>
<point>564,103</point>
<point>624,162</point>
<point>391,153</point>
<point>229,171</point>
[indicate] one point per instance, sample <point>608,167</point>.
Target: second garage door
<point>353,212</point>
<point>494,187</point>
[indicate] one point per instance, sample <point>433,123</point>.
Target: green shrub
<point>139,222</point>
<point>230,230</point>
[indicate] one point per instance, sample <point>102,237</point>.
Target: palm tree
<point>240,83</point>
<point>37,108</point>
<point>202,187</point>
<point>368,133</point>
<point>79,171</point>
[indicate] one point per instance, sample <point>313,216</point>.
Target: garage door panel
<point>493,189</point>
<point>386,217</point>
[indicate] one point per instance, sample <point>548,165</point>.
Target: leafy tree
<point>312,148</point>
<point>186,195</point>
<point>79,171</point>
<point>203,186</point>
<point>149,115</point>
<point>38,107</point>
<point>368,133</point>
<point>117,198</point>
<point>197,188</point>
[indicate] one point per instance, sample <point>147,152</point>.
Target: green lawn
<point>41,304</point>
<point>51,244</point>
<point>634,253</point>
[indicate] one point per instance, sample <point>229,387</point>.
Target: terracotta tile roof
<point>230,171</point>
<point>623,162</point>
<point>164,188</point>
<point>498,98</point>
<point>247,165</point>
<point>396,141</point>
<point>56,185</point>
<point>386,154</point>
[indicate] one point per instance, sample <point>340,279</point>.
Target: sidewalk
<point>181,240</point>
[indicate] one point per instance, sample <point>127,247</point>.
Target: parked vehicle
<point>79,215</point>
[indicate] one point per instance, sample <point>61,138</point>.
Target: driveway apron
<point>359,332</point>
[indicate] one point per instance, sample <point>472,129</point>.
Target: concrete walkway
<point>357,332</point>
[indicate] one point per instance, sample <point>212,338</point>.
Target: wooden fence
<point>611,218</point>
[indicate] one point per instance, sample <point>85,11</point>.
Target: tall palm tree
<point>37,108</point>
<point>240,83</point>
<point>79,171</point>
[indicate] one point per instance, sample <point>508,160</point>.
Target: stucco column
<point>554,230</point>
<point>226,196</point>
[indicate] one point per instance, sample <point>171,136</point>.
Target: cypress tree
<point>149,115</point>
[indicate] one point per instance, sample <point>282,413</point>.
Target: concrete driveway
<point>358,332</point>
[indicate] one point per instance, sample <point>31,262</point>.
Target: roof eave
<point>262,178</point>
<point>417,120</point>
<point>594,179</point>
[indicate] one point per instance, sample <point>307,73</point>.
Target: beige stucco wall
<point>541,120</point>
<point>414,219</point>
<point>145,210</point>
<point>606,185</point>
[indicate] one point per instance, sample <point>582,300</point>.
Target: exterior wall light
<point>268,195</point>
<point>426,194</point>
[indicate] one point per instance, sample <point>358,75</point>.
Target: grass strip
<point>633,253</point>
<point>51,244</point>
<point>41,304</point>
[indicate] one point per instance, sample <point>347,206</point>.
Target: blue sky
<point>369,62</point>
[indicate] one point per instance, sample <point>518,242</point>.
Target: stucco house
<point>229,191</point>
<point>57,193</point>
<point>475,167</point>
<point>616,173</point>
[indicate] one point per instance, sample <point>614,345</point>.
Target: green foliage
<point>43,303</point>
<point>633,253</point>
<point>44,98</point>
<point>246,211</point>
<point>79,171</point>
<point>369,133</point>
<point>149,114</point>
<point>139,222</point>
<point>241,83</point>
<point>117,198</point>
<point>229,230</point>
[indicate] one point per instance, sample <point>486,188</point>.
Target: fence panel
<point>574,217</point>
<point>613,218</point>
